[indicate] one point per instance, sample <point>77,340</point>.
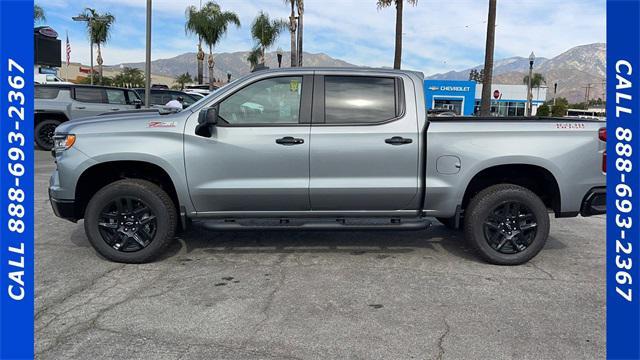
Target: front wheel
<point>506,224</point>
<point>43,133</point>
<point>130,221</point>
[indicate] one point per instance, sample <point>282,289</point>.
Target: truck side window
<point>46,92</point>
<point>359,99</point>
<point>268,101</point>
<point>90,95</point>
<point>115,96</point>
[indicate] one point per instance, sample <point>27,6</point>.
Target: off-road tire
<point>157,200</point>
<point>484,203</point>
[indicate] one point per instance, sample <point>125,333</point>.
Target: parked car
<point>196,94</point>
<point>160,97</point>
<point>314,148</point>
<point>48,79</point>
<point>55,104</point>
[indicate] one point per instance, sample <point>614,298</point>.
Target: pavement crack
<point>535,266</point>
<point>441,351</point>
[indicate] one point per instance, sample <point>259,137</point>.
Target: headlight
<point>63,141</point>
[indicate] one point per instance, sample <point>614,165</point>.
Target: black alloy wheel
<point>506,224</point>
<point>510,227</point>
<point>127,224</point>
<point>44,132</point>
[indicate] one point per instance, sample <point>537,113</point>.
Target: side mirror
<point>207,118</point>
<point>137,103</point>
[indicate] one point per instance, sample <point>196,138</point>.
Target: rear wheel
<point>43,133</point>
<point>506,224</point>
<point>130,221</point>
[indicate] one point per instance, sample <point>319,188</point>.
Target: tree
<point>300,4</point>
<point>537,80</point>
<point>183,79</point>
<point>475,75</point>
<point>292,30</point>
<point>38,14</point>
<point>560,109</point>
<point>265,32</point>
<point>543,110</point>
<point>254,57</point>
<point>196,24</point>
<point>99,32</point>
<point>129,78</point>
<point>397,60</point>
<point>87,80</point>
<point>216,25</point>
<point>487,78</point>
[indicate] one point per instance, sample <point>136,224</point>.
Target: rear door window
<point>90,95</point>
<point>116,96</point>
<point>359,99</point>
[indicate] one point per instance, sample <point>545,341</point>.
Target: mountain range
<point>573,70</point>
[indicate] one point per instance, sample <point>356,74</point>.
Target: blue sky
<point>439,35</point>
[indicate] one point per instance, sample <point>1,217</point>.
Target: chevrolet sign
<point>449,88</point>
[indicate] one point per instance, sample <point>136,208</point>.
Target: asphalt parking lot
<point>317,295</point>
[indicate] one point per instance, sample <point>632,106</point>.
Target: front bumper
<point>595,202</point>
<point>65,209</point>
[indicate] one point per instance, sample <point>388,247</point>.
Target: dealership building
<point>463,97</point>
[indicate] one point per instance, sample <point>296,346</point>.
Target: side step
<point>317,224</point>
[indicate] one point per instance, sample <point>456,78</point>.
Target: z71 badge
<point>161,124</point>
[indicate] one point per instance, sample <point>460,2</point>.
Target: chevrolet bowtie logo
<point>434,88</point>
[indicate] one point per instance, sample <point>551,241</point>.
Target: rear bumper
<point>65,209</point>
<point>595,202</point>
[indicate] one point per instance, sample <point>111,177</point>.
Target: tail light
<point>602,134</point>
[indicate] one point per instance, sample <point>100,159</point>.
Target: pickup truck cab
<point>324,148</point>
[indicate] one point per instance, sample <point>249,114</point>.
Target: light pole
<point>532,58</point>
<point>147,64</point>
<point>90,20</point>
<point>555,91</point>
<point>279,54</point>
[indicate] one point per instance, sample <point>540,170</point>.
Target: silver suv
<point>55,104</point>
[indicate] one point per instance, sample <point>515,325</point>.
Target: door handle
<point>289,140</point>
<point>115,109</point>
<point>398,140</point>
<point>80,107</point>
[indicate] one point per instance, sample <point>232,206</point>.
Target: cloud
<point>439,35</point>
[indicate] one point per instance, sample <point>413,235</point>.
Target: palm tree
<point>536,80</point>
<point>265,32</point>
<point>300,4</point>
<point>183,79</point>
<point>196,24</point>
<point>38,13</point>
<point>292,30</point>
<point>397,60</point>
<point>487,77</point>
<point>253,58</point>
<point>216,25</point>
<point>98,31</point>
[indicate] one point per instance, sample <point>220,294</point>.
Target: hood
<point>122,120</point>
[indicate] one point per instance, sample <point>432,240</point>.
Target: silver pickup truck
<point>313,148</point>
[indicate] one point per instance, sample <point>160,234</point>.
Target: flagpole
<point>66,75</point>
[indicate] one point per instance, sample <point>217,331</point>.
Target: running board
<point>317,224</point>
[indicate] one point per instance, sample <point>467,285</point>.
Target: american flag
<point>68,50</point>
